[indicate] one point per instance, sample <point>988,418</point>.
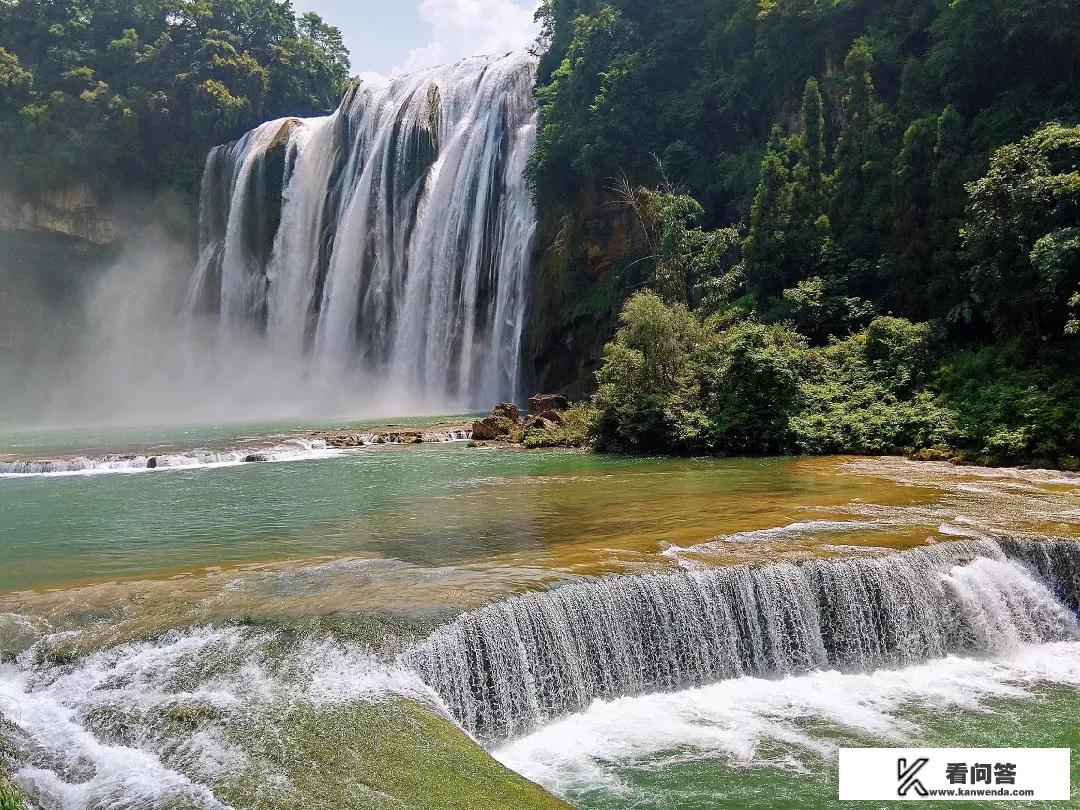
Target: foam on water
<point>738,720</point>
<point>570,685</point>
<point>148,723</point>
<point>293,450</point>
<point>507,668</point>
<point>297,449</point>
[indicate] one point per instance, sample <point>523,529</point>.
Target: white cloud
<point>469,27</point>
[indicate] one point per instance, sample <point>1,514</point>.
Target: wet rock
<point>539,404</point>
<point>251,458</point>
<point>151,463</point>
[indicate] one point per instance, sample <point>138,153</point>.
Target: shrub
<point>645,368</point>
<point>866,393</point>
<point>749,380</point>
<point>574,432</point>
<point>1013,409</point>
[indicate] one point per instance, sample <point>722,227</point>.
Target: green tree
<point>813,116</point>
<point>120,92</point>
<point>860,177</point>
<point>750,376</point>
<point>766,246</point>
<point>645,373</point>
<point>693,267</point>
<point>1021,232</point>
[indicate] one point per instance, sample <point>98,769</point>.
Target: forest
<point>123,95</point>
<point>858,221</point>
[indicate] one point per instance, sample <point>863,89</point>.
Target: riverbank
<point>307,632</point>
<point>576,426</point>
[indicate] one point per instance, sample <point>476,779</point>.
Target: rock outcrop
<point>503,424</point>
<point>75,211</point>
<point>540,404</point>
<point>506,423</point>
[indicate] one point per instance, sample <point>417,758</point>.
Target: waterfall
<point>510,666</point>
<point>391,239</point>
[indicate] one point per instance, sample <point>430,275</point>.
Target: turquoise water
<point>162,438</point>
<point>237,627</point>
<point>429,505</point>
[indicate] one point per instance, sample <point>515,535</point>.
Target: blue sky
<point>392,36</point>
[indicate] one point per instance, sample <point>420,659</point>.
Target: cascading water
<point>509,667</point>
<point>391,239</point>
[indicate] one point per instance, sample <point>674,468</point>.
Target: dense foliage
<point>134,92</point>
<point>862,218</point>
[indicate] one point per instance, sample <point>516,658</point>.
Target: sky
<point>399,36</point>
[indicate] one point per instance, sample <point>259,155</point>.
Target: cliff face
<point>75,211</point>
<point>585,267</point>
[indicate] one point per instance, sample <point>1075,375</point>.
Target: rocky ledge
<point>506,423</point>
<point>396,434</point>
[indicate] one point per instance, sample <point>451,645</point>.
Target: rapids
<point>509,667</point>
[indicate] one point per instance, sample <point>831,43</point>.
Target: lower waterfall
<point>507,668</point>
<point>391,239</point>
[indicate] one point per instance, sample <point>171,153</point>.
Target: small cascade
<point>391,239</point>
<point>508,667</point>
<point>293,450</point>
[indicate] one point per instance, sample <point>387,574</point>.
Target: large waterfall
<point>506,668</point>
<point>391,239</point>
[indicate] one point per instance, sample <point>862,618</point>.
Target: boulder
<point>535,423</point>
<point>492,427</point>
<point>507,410</point>
<point>542,403</point>
<point>554,417</point>
<point>151,463</point>
<point>255,457</point>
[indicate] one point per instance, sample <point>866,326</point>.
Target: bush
<point>749,379</point>
<point>574,432</point>
<point>671,384</point>
<point>866,394</point>
<point>1013,409</point>
<point>645,371</point>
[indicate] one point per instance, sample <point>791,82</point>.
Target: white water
<point>391,239</point>
<point>294,450</point>
<point>849,644</point>
<point>509,667</point>
<point>103,733</point>
<point>738,721</point>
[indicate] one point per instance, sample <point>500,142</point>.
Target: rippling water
<point>247,635</point>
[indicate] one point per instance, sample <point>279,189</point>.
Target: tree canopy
<point>135,92</point>
<point>862,216</point>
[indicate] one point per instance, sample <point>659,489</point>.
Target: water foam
<point>293,450</point>
<point>152,722</point>
<point>739,721</point>
<point>509,667</point>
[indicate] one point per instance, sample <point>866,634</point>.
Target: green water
<point>1048,719</point>
<point>431,505</point>
<point>249,614</point>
